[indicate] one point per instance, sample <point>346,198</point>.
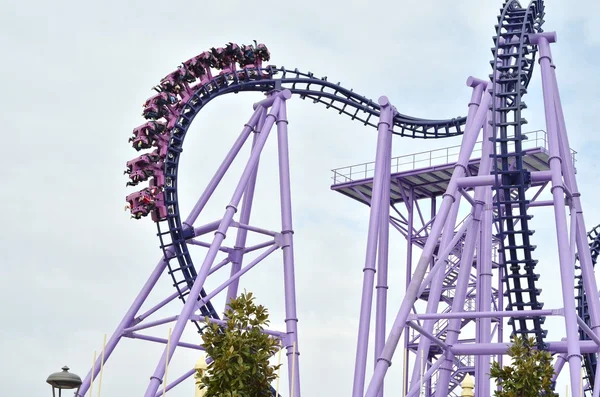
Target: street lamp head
<point>63,380</point>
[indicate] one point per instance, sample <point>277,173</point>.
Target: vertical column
<point>435,291</point>
<point>384,361</point>
<point>466,261</point>
<point>287,231</point>
<point>237,255</point>
<point>558,193</point>
<point>383,257</point>
<point>231,209</point>
<point>214,182</point>
<point>409,264</point>
<point>585,259</point>
<point>381,168</point>
<point>484,278</point>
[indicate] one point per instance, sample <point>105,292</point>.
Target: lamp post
<point>63,380</point>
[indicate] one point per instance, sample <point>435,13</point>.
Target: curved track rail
<point>173,233</point>
<point>590,361</point>
<point>512,69</point>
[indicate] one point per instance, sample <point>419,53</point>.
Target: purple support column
<point>287,231</point>
<point>381,168</point>
<point>127,321</point>
<point>237,255</point>
<point>484,290</point>
<point>409,260</point>
<point>384,361</point>
<point>558,193</point>
<point>585,259</point>
<point>435,291</point>
<point>382,261</point>
<point>214,182</point>
<point>188,307</point>
<point>466,261</point>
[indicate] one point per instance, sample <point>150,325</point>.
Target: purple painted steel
<point>566,261</point>
<point>484,290</point>
<point>276,334</point>
<point>587,268</point>
<point>235,277</point>
<point>587,346</point>
<point>237,255</point>
<point>127,320</point>
<point>384,360</point>
<point>212,185</point>
<point>287,232</point>
<point>164,341</point>
<point>486,314</point>
<point>435,291</point>
<point>149,324</point>
<point>441,261</point>
<point>466,261</point>
<point>381,167</point>
<point>410,204</point>
<point>231,208</point>
<point>159,305</point>
<point>382,262</point>
<point>177,381</point>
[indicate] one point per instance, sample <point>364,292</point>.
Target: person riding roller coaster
<point>143,202</point>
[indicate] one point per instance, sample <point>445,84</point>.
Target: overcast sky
<point>75,77</point>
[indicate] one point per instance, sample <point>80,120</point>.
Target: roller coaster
<point>472,273</point>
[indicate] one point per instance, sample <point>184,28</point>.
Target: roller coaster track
<point>513,64</point>
<point>173,233</point>
<point>590,360</point>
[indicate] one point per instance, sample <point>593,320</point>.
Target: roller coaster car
<point>139,176</point>
<point>146,200</point>
<point>262,52</point>
<point>198,66</point>
<point>141,142</point>
<point>160,99</point>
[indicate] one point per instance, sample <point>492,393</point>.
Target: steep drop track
<point>514,58</point>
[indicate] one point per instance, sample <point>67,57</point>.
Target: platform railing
<point>437,157</point>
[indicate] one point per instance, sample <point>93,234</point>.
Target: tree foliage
<point>530,374</point>
<point>240,352</point>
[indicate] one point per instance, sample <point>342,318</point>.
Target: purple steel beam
<point>484,293</point>
<point>558,192</point>
<point>486,314</point>
<point>276,334</point>
<point>382,262</point>
<point>435,291</point>
<point>164,341</point>
<point>159,305</point>
<point>441,260</point>
<point>236,276</point>
<point>466,262</point>
<point>381,168</point>
<point>409,265</point>
<point>177,381</point>
<point>464,349</point>
<point>237,254</point>
<point>127,320</point>
<point>214,182</point>
<point>587,268</point>
<point>384,361</point>
<point>287,232</point>
<point>190,304</point>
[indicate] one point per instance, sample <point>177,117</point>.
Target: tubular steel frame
<point>467,289</point>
